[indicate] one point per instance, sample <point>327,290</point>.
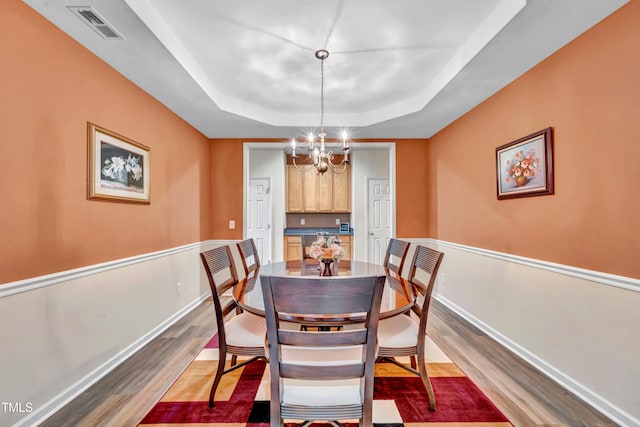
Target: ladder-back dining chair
<point>321,375</point>
<point>239,334</point>
<point>250,258</point>
<point>404,335</point>
<point>394,258</point>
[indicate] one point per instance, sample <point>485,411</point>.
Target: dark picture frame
<point>118,167</point>
<point>524,167</point>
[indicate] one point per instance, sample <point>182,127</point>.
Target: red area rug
<point>399,397</point>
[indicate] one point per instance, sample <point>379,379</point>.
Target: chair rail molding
<point>617,281</point>
<point>12,288</point>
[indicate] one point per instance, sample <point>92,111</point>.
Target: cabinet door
<point>342,191</point>
<point>345,242</point>
<point>294,189</point>
<point>324,191</point>
<point>310,191</point>
<point>292,248</point>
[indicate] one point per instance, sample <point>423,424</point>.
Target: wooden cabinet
<point>342,191</point>
<point>345,242</point>
<point>292,248</point>
<point>295,203</point>
<point>308,191</point>
<point>324,192</point>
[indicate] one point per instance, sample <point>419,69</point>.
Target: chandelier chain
<point>322,95</point>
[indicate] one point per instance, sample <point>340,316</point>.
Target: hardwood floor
<point>525,396</point>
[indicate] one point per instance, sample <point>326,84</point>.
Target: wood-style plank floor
<point>525,396</point>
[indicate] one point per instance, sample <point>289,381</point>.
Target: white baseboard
<point>52,406</point>
<point>593,399</point>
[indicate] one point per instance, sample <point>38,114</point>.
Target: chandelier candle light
<point>322,159</point>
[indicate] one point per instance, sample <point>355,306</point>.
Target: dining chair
<point>239,333</point>
<point>321,375</point>
<point>404,335</point>
<point>250,258</point>
<point>394,258</point>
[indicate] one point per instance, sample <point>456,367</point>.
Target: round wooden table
<point>396,298</point>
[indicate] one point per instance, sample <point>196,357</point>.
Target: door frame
<point>278,214</point>
<point>359,239</point>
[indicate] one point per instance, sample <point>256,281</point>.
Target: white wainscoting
<point>63,332</point>
<point>579,327</point>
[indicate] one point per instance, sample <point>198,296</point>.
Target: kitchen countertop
<point>302,231</point>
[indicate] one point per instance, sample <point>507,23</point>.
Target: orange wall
<point>589,92</point>
<point>50,86</point>
<point>226,188</point>
<point>226,184</point>
<point>411,184</point>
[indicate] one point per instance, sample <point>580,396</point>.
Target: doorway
<point>369,159</point>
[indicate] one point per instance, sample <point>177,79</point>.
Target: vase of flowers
<point>326,247</point>
<point>522,167</point>
<point>127,172</point>
<point>326,250</point>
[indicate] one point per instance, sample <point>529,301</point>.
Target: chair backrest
<point>250,258</point>
<point>218,264</point>
<point>395,256</point>
<point>422,277</point>
<point>313,297</point>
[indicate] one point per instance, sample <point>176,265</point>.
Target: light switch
<point>232,224</point>
<point>337,221</point>
<point>301,221</point>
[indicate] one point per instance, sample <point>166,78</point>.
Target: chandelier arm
<point>334,168</point>
<point>295,165</point>
<point>344,162</point>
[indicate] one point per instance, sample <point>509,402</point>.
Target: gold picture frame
<point>118,167</point>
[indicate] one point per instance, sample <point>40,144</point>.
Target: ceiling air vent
<point>92,18</point>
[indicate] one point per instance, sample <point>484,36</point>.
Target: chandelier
<point>322,159</point>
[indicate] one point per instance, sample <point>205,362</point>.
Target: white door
<point>378,219</point>
<point>259,216</point>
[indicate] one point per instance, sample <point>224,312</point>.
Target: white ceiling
<point>396,69</point>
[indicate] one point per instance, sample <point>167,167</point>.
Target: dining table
<point>397,296</point>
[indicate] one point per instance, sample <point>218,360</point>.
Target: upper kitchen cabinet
<point>295,179</point>
<point>342,191</point>
<point>309,191</point>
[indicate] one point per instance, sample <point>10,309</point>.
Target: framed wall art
<point>524,167</point>
<point>118,167</point>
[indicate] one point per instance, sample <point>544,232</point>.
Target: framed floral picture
<point>118,167</point>
<point>525,166</point>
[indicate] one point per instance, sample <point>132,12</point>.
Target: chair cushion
<point>398,331</point>
<point>246,330</point>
